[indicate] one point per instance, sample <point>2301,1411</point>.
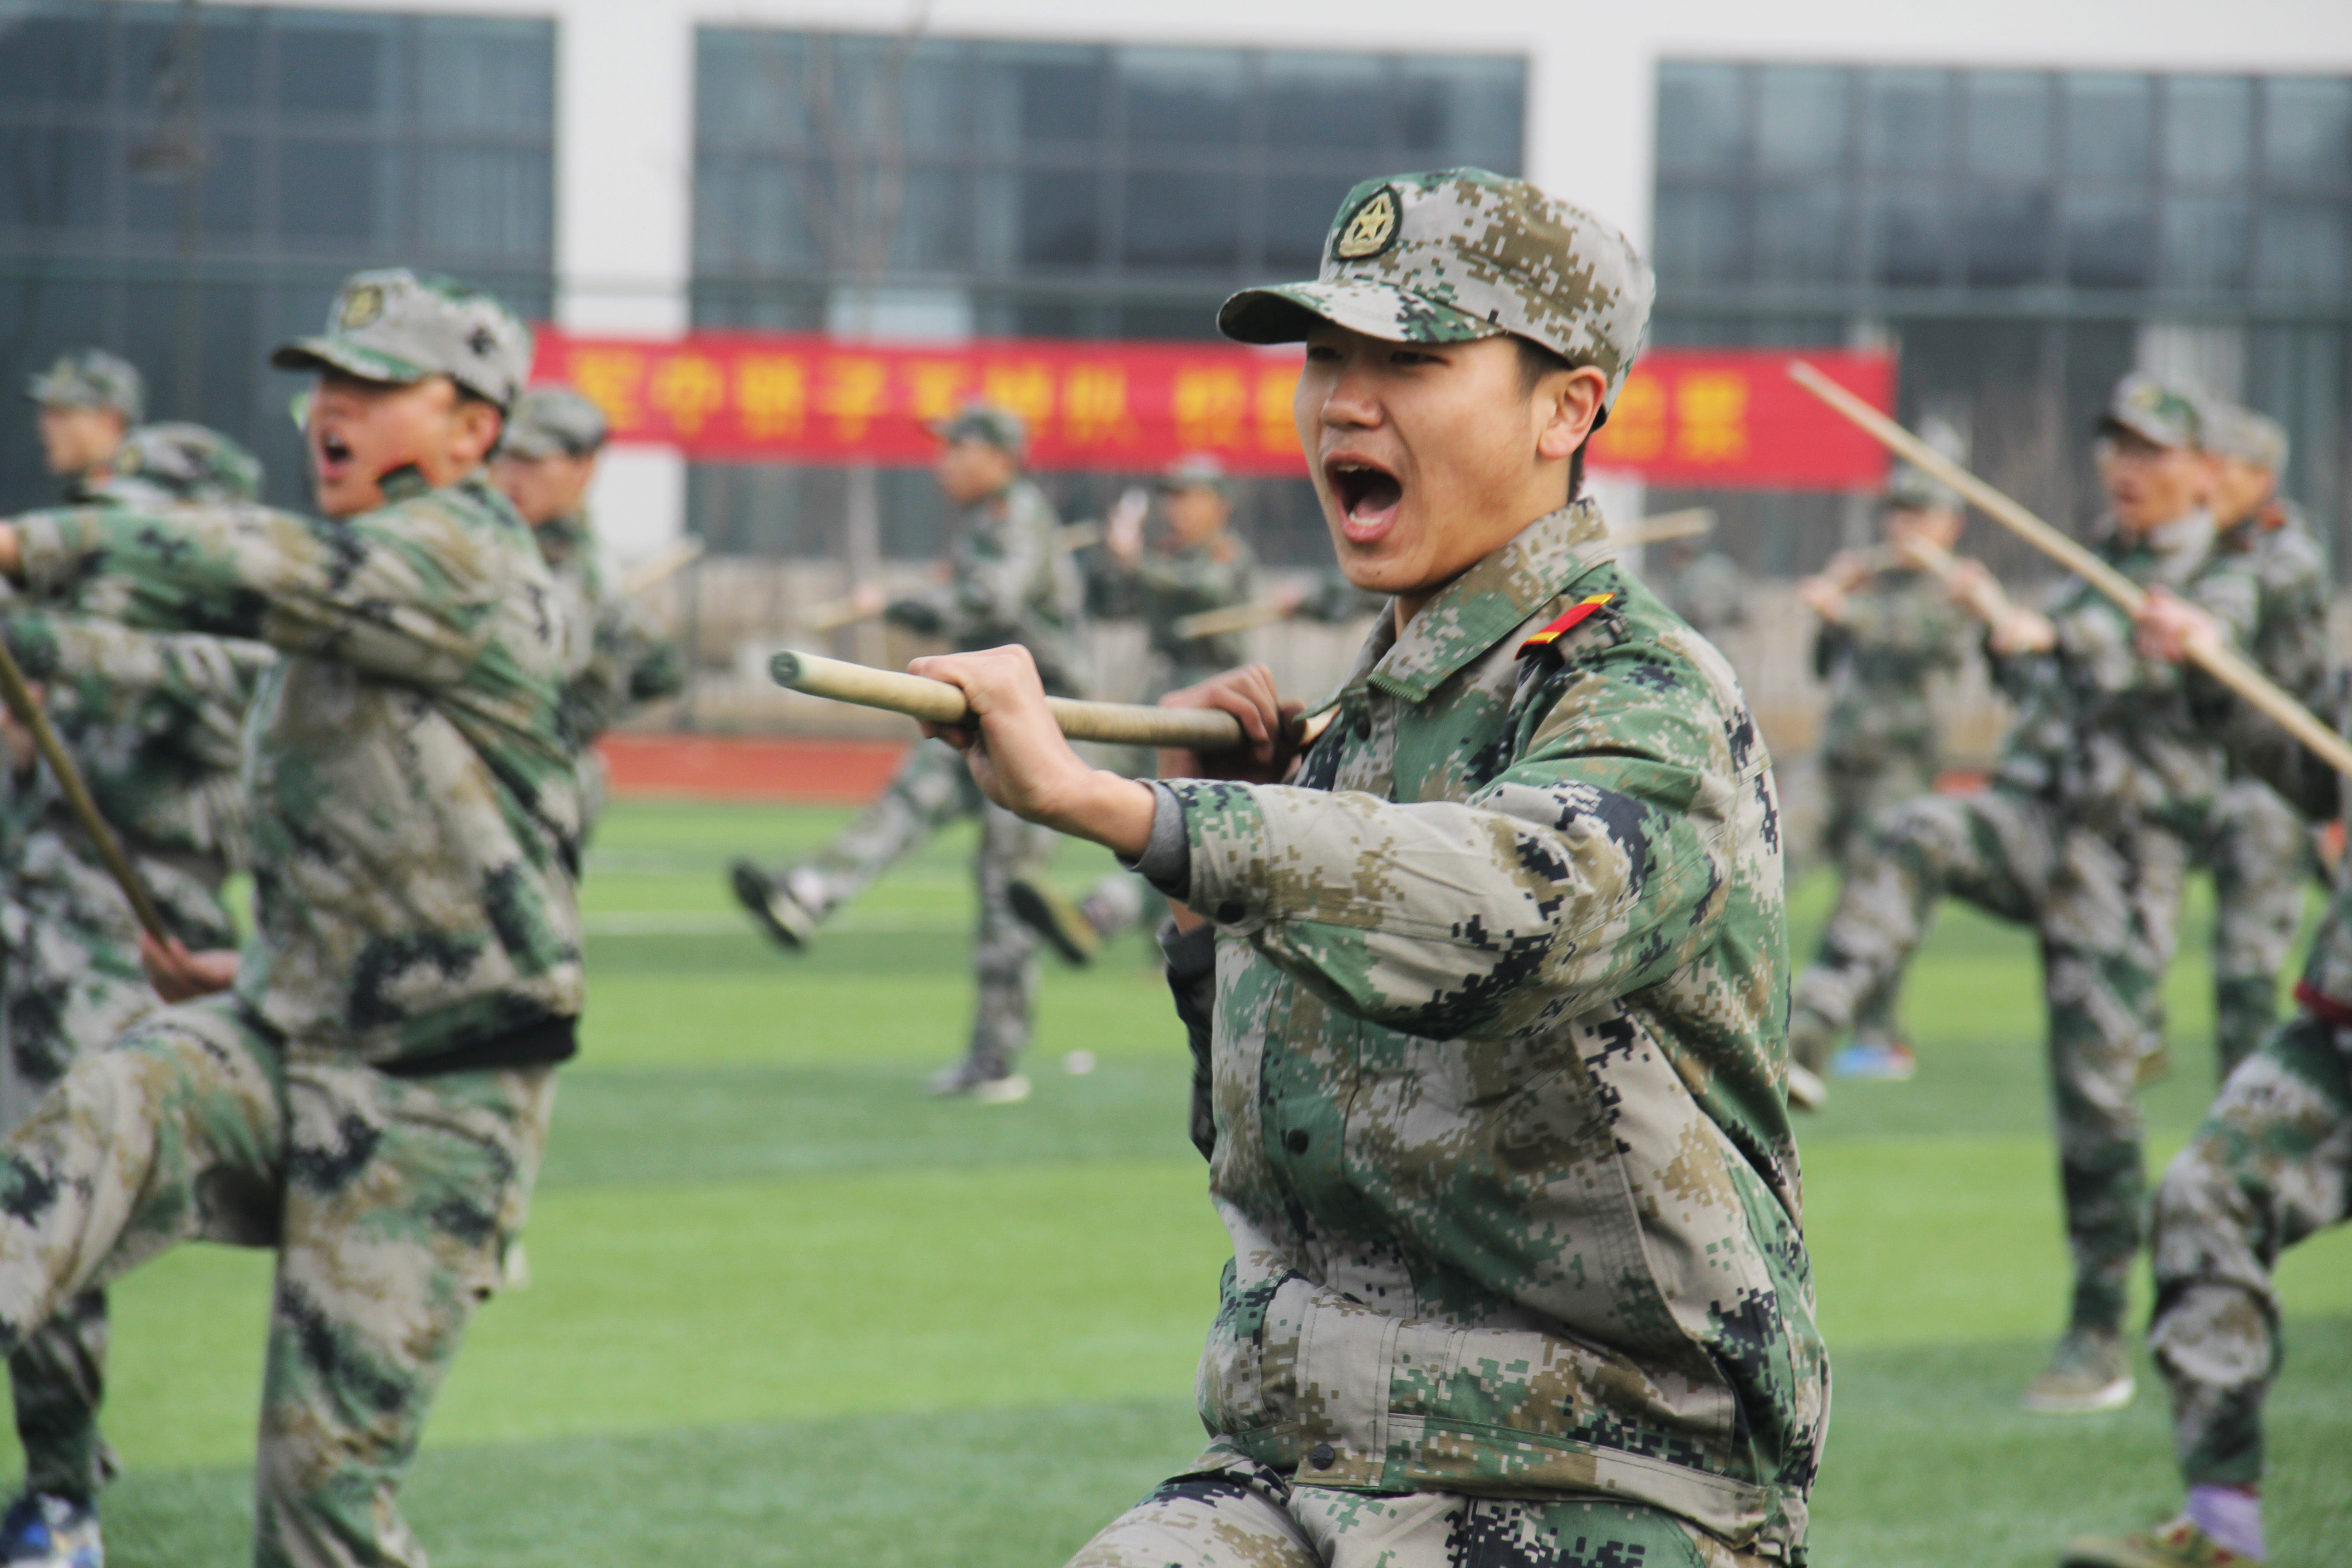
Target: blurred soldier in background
<point>1705,587</point>
<point>154,721</point>
<point>1887,626</point>
<point>1191,563</point>
<point>2259,848</point>
<point>546,464</point>
<point>366,1085</point>
<point>89,400</point>
<point>1013,581</point>
<point>2108,781</point>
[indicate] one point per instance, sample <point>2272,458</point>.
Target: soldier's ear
<point>1569,406</point>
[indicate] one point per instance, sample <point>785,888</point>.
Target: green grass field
<point>786,1310</point>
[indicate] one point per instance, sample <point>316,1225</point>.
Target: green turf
<point>786,1310</point>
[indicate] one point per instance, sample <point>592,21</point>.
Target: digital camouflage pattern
<point>415,804</point>
<point>2271,1166</point>
<point>1499,1124</point>
<point>1011,580</point>
<point>2109,780</point>
<point>1241,1514</point>
<point>933,789</point>
<point>90,378</point>
<point>617,658</point>
<point>391,1203</point>
<point>174,461</point>
<point>1168,582</point>
<point>1463,254</point>
<point>394,326</point>
<point>2155,411</point>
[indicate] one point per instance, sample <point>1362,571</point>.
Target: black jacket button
<point>1322,1455</point>
<point>1230,910</point>
<point>1296,1139</point>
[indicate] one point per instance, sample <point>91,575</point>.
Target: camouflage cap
<point>2255,439</point>
<point>1916,490</point>
<point>548,420</point>
<point>395,326</point>
<point>2161,415</point>
<point>176,462</point>
<point>90,378</point>
<point>1461,254</point>
<point>978,421</point>
<point>1196,471</point>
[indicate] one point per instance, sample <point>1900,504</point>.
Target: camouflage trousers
<point>2106,905</point>
<point>1862,789</point>
<point>390,1201</point>
<point>1240,1514</point>
<point>69,983</point>
<point>2258,850</point>
<point>930,790</point>
<point>2271,1165</point>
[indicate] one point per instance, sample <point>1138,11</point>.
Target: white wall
<point>626,102</point>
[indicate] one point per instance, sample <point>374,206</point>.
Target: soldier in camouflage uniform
<point>546,463</point>
<point>2271,1166</point>
<point>2107,784</point>
<point>1887,629</point>
<point>1494,1003</point>
<point>2259,849</point>
<point>154,722</point>
<point>366,1085</point>
<point>1196,563</point>
<point>1014,582</point>
<point>88,401</point>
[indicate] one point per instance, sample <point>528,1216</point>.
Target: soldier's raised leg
<point>1004,960</point>
<point>2260,857</point>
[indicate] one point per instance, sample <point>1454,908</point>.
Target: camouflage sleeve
<point>999,574</point>
<point>1584,872</point>
<point>192,668</point>
<point>408,591</point>
<point>1114,593</point>
<point>1192,957</point>
<point>1830,639</point>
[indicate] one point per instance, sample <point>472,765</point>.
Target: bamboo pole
<point>18,693</point>
<point>2225,664</point>
<point>662,567</point>
<point>937,702</point>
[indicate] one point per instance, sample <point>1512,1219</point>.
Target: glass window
<point>1060,222</point>
<point>1699,236</point>
<point>2304,247</point>
<point>1456,112</point>
<point>1699,119</point>
<point>485,202</point>
<point>1801,234</point>
<point>1039,95</point>
<point>1337,101</point>
<point>2205,242</point>
<point>1298,213</point>
<point>935,92</point>
<point>2110,127</point>
<point>1907,119</point>
<point>2307,131</point>
<point>1181,220</point>
<point>750,86</point>
<point>1801,119</point>
<point>1184,98</point>
<point>934,221</point>
<point>333,68</point>
<point>2110,241</point>
<point>55,60</point>
<point>327,190</point>
<point>52,179</point>
<point>476,75</point>
<point>2008,133</point>
<point>2008,237</point>
<point>2209,128</point>
<point>1908,231</point>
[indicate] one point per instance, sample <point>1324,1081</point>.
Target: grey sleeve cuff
<point>1167,860</point>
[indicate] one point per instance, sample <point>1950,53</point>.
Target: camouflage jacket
<point>1163,586</point>
<point>1013,581</point>
<point>1900,628</point>
<point>1709,591</point>
<point>155,721</point>
<point>415,803</point>
<point>1499,1067</point>
<point>618,658</point>
<point>2107,734</point>
<point>2290,635</point>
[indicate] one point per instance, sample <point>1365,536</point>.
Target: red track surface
<point>737,767</point>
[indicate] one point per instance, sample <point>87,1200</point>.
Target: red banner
<point>1731,419</point>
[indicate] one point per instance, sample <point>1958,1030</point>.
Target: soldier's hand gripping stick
<point>936,703</point>
<point>18,693</point>
<point>2224,665</point>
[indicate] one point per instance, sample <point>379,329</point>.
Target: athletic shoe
<point>965,1080</point>
<point>51,1532</point>
<point>2090,1371</point>
<point>1059,920</point>
<point>770,900</point>
<point>2178,1545</point>
<point>1806,1089</point>
<point>1885,1061</point>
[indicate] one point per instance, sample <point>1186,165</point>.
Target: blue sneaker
<point>51,1532</point>
<point>1888,1062</point>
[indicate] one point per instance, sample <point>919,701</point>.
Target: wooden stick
<point>1078,535</point>
<point>18,694</point>
<point>834,614</point>
<point>662,567</point>
<point>1232,618</point>
<point>2225,664</point>
<point>1688,523</point>
<point>936,703</point>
